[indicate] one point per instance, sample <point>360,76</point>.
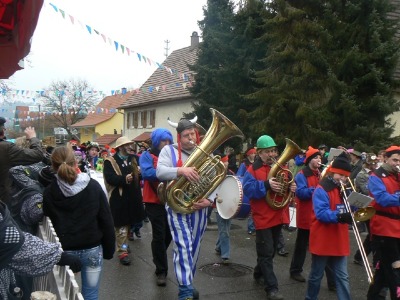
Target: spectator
<point>11,155</point>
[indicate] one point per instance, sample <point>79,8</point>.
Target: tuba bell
<point>181,194</point>
<point>284,176</point>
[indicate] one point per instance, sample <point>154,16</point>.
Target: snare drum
<point>231,202</point>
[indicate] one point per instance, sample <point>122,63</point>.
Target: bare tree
<point>68,101</point>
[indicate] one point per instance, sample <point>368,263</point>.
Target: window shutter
<point>144,119</point>
<point>153,118</point>
<point>135,119</point>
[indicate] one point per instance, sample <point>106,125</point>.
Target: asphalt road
<point>214,280</point>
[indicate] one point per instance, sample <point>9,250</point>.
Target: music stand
<point>333,153</point>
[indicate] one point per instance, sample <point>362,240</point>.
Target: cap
<point>354,152</point>
<point>310,154</point>
<point>251,151</point>
<point>341,165</point>
<point>225,158</point>
<point>392,150</point>
<point>265,141</point>
<point>322,146</point>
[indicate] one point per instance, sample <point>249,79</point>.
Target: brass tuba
<point>284,176</point>
<point>181,194</point>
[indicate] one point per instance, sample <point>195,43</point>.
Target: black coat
<point>126,209</point>
<point>82,221</point>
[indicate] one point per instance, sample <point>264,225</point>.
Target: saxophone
<point>181,194</point>
<point>282,198</point>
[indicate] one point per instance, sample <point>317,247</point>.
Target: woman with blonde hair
<point>78,208</point>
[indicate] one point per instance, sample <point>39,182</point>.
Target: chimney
<point>194,39</point>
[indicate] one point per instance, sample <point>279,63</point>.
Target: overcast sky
<point>62,50</point>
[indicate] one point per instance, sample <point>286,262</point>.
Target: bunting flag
<point>117,45</point>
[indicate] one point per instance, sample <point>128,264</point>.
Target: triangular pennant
<point>104,38</point>
<point>62,13</point>
<point>128,51</point>
<point>139,56</point>
<point>96,31</point>
<point>89,29</point>
<point>116,45</point>
<point>123,49</point>
<point>55,7</point>
<point>72,19</point>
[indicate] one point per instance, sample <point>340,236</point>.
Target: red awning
<point>18,20</point>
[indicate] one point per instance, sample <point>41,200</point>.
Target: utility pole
<point>166,47</point>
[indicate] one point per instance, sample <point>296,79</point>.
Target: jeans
<point>250,224</point>
<point>339,267</point>
<point>161,236</point>
<point>223,242</point>
<point>92,264</point>
<point>299,256</point>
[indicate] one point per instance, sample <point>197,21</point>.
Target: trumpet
<point>361,214</point>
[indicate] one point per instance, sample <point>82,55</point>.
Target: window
<point>141,119</point>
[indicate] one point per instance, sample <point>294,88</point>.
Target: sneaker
<point>161,279</point>
<point>218,251</point>
<point>138,235</point>
<point>283,252</point>
<point>274,295</point>
<point>332,288</point>
<point>298,277</point>
<point>251,232</point>
<point>226,261</point>
<point>124,259</point>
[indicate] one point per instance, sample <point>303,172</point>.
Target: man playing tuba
<point>268,221</point>
<point>186,229</point>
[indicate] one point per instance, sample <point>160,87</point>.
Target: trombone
<point>361,214</point>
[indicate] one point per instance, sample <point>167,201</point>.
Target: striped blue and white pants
<point>187,231</point>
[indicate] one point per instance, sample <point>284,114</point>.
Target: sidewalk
<point>213,280</point>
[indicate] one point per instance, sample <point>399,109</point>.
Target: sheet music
<point>333,153</point>
<point>359,200</point>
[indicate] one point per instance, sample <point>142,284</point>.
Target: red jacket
<point>327,236</point>
<point>306,181</point>
<point>255,187</point>
<point>385,188</point>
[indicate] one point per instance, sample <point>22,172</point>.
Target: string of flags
<point>117,45</point>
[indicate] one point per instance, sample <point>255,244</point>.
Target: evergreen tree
<point>227,58</point>
<point>328,73</point>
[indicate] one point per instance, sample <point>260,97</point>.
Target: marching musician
<point>268,221</point>
<point>306,181</point>
<point>384,186</point>
<point>155,210</point>
<point>186,229</point>
<point>329,236</point>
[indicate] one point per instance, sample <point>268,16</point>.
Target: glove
<point>345,218</point>
<point>70,260</point>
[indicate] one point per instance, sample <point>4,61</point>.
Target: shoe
<point>146,220</point>
<point>130,236</point>
<point>298,277</point>
<point>138,235</point>
<point>124,259</point>
<point>218,251</point>
<point>196,294</point>
<point>251,232</point>
<point>161,279</point>
<point>226,261</point>
<point>332,288</point>
<point>358,262</point>
<point>274,295</point>
<point>283,252</point>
